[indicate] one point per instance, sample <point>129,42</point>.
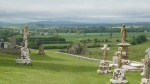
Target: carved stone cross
<point>25,32</point>
<point>105,48</point>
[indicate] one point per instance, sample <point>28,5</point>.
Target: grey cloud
<point>80,10</point>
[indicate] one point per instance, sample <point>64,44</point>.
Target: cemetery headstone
<point>24,57</point>
<point>119,76</point>
<point>12,42</point>
<point>146,69</point>
<point>41,49</point>
<point>104,64</point>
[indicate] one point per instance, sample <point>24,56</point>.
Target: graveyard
<point>55,68</point>
<point>74,42</point>
<point>19,64</point>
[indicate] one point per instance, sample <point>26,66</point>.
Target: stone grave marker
<point>24,57</point>
<point>119,76</point>
<point>146,69</point>
<point>12,42</point>
<point>104,64</point>
<point>41,49</point>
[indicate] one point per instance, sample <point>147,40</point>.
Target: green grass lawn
<point>55,68</point>
<point>62,44</point>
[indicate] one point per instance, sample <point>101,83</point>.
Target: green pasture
<point>65,44</point>
<point>76,38</point>
<point>136,52</point>
<point>55,68</point>
<point>101,36</point>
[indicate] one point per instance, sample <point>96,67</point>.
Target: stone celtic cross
<point>105,48</point>
<point>25,32</point>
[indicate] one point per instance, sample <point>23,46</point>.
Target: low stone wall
<point>13,50</point>
<point>82,57</point>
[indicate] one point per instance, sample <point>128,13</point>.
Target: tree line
<point>91,29</point>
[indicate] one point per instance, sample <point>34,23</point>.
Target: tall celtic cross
<point>25,32</point>
<point>105,48</point>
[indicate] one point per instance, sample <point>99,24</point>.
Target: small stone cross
<point>105,48</point>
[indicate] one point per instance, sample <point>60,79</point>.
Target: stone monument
<point>119,76</point>
<point>24,57</point>
<point>41,49</point>
<point>12,42</point>
<point>104,64</point>
<point>146,68</point>
<point>124,47</point>
<point>123,43</point>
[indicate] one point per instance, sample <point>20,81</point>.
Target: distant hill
<point>57,23</point>
<point>4,23</point>
<point>74,23</point>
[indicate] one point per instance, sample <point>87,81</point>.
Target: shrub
<point>138,39</point>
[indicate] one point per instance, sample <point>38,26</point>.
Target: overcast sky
<point>99,11</point>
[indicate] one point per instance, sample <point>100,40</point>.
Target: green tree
<point>138,39</point>
<point>141,39</point>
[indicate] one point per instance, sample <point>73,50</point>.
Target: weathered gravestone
<point>104,64</point>
<point>146,68</point>
<point>124,45</point>
<point>24,57</point>
<point>119,76</point>
<point>12,42</point>
<point>41,50</point>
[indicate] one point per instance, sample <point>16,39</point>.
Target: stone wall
<point>16,51</point>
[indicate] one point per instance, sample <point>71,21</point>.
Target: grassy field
<point>55,68</point>
<point>62,44</point>
<point>136,52</point>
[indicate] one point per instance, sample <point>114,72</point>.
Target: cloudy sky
<point>96,11</point>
